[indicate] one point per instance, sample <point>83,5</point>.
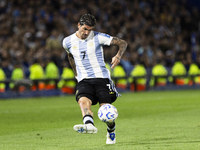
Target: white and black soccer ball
<point>107,113</point>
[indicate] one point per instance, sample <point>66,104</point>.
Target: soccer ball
<point>107,113</point>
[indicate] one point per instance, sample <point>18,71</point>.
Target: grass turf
<point>162,120</point>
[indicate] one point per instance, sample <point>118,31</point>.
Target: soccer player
<point>85,53</point>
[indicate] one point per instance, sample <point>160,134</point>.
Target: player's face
<point>84,31</point>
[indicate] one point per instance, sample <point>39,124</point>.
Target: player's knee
<point>84,101</point>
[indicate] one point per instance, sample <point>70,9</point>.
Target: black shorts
<point>98,90</point>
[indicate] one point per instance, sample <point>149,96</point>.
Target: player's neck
<point>77,34</point>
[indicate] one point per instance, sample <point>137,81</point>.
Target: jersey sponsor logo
<point>74,47</point>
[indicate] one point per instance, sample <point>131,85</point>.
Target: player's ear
<point>79,25</point>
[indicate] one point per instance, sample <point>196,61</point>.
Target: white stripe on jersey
<point>88,54</point>
<point>93,58</point>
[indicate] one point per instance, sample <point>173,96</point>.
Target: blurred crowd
<point>154,29</point>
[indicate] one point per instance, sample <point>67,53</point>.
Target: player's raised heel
<point>85,128</point>
<point>111,139</point>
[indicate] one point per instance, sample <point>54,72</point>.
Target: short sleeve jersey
<point>88,54</point>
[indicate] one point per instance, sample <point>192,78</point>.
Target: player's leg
<point>85,106</point>
<point>88,126</point>
<point>111,139</point>
<point>108,94</point>
<point>85,98</point>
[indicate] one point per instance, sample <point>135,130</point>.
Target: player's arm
<point>122,47</point>
<point>72,63</point>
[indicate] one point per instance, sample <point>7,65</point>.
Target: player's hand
<point>115,61</point>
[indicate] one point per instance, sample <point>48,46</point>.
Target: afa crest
<point>91,44</point>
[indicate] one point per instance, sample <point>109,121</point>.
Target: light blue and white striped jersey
<point>88,54</point>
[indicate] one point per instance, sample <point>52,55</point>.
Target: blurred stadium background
<point>158,32</point>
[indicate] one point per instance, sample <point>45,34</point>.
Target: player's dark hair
<point>87,19</point>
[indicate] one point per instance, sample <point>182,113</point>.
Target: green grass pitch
<point>159,120</point>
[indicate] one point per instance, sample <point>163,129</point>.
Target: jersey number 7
<point>84,52</point>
